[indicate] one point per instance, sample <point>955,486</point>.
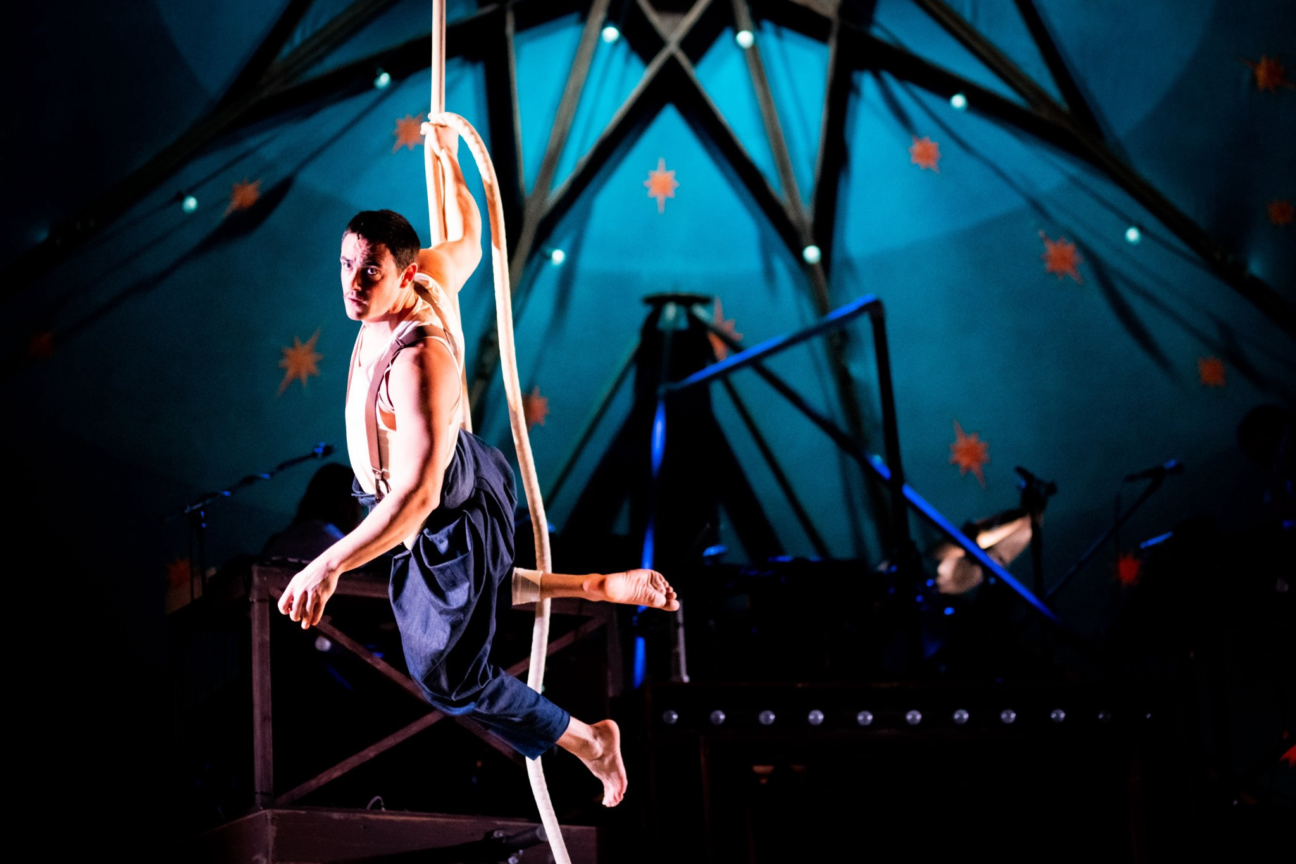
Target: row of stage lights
<point>811,254</point>
<point>744,38</point>
<point>961,716</point>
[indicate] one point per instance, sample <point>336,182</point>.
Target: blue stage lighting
<point>958,102</point>
<point>640,661</point>
<point>611,34</point>
<point>745,39</point>
<point>949,610</point>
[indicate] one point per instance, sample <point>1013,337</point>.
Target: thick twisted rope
<point>517,421</point>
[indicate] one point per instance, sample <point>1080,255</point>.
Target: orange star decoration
<point>243,195</point>
<point>409,132</point>
<point>1269,74</point>
<point>299,362</point>
<point>177,572</point>
<point>1128,570</point>
<point>1211,371</point>
<point>661,185</point>
<point>718,344</point>
<point>1061,257</point>
<point>535,408</point>
<point>40,346</point>
<point>1280,212</point>
<point>925,153</point>
<point>969,453</point>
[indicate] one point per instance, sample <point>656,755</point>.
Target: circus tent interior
<point>1020,271</point>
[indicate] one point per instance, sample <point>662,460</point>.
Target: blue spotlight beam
<point>753,357</point>
<point>833,320</point>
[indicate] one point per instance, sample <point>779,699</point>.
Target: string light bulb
<point>557,257</point>
<point>958,102</point>
<point>382,80</point>
<point>611,34</point>
<point>188,203</point>
<point>745,39</point>
<point>1133,235</point>
<point>811,254</point>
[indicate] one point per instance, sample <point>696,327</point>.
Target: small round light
<point>811,254</point>
<point>960,716</point>
<point>913,718</point>
<point>611,34</point>
<point>949,610</point>
<point>717,717</point>
<point>382,80</point>
<point>1057,715</point>
<point>766,718</point>
<point>189,204</point>
<point>323,645</point>
<point>864,718</point>
<point>1007,715</point>
<point>958,102</point>
<point>1133,235</point>
<point>1104,716</point>
<point>557,257</point>
<point>1147,715</point>
<point>815,717</point>
<point>670,718</point>
<point>744,38</point>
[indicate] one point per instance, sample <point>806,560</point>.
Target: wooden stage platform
<point>324,836</point>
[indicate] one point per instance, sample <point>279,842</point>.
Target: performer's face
<point>372,284</point>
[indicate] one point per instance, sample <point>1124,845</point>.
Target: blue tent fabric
<point>165,331</point>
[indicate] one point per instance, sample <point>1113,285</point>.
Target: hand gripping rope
<point>508,366</point>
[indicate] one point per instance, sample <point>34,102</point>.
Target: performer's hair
<point>390,229</point>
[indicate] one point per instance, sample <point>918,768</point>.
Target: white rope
<point>517,421</point>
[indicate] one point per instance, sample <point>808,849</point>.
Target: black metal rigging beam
<point>263,59</point>
<point>1076,103</point>
<point>500,70</point>
<point>1226,266</point>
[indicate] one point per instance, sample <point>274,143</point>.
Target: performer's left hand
<point>304,598</point>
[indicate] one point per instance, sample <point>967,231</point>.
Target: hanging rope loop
<point>517,417</point>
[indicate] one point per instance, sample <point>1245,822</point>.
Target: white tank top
<point>360,376</point>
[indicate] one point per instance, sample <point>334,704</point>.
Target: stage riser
<point>325,836</point>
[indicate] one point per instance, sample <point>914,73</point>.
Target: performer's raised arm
<point>451,263</point>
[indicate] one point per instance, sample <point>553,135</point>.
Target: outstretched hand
<point>304,598</point>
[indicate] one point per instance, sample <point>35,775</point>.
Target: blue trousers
<point>443,592</point>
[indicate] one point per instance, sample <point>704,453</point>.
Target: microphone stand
<point>196,512</point>
<point>1156,480</point>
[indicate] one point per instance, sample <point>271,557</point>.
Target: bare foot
<point>637,588</point>
<point>599,747</point>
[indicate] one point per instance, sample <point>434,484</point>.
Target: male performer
<point>444,493</point>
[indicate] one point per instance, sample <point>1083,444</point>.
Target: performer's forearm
<point>397,516</point>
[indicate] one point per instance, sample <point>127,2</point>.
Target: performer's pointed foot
<point>599,746</point>
<point>635,587</point>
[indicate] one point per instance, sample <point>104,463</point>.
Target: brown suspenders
<point>406,339</point>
